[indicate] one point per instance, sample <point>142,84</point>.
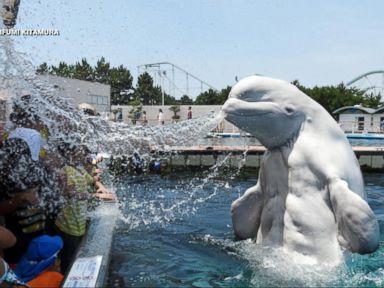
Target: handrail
<point>367,126</point>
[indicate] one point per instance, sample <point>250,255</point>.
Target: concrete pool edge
<point>98,240</point>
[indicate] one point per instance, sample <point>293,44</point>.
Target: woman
<point>160,117</point>
<point>145,120</point>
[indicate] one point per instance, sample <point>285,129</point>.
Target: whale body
<point>309,196</point>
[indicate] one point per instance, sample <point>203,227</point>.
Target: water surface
<point>178,233</point>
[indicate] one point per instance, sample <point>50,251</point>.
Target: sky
<point>316,42</point>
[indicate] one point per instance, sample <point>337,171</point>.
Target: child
<point>34,267</point>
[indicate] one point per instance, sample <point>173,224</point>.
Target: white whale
<point>310,194</point>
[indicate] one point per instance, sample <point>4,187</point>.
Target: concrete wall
<point>78,91</point>
<point>197,111</point>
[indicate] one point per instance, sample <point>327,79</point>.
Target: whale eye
<point>289,109</point>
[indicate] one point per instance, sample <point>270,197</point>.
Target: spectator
<point>19,165</point>
<point>36,266</point>
<point>145,120</point>
<point>71,221</point>
<point>119,115</point>
<point>25,220</point>
<point>22,178</point>
<point>133,117</point>
<point>189,113</point>
<point>137,115</point>
<point>8,278</point>
<point>160,117</point>
<point>7,239</point>
<point>22,214</point>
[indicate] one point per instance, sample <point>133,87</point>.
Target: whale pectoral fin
<point>246,213</point>
<point>356,222</point>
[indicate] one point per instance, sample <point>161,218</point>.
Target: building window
<point>360,123</point>
<point>97,100</point>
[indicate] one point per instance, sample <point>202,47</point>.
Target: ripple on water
<point>198,250</point>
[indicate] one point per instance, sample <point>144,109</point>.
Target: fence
<point>365,127</point>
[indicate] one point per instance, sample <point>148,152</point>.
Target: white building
<point>78,91</point>
<point>358,119</point>
<point>378,119</point>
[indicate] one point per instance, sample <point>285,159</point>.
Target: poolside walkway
<point>370,158</point>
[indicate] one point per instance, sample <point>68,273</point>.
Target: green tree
<point>334,97</point>
<point>175,109</point>
<point>371,100</point>
<point>146,92</point>
<point>223,95</point>
<point>170,100</point>
<point>209,97</point>
<point>213,97</point>
<point>156,96</point>
<point>102,71</point>
<point>185,100</point>
<point>120,79</point>
<point>43,69</point>
<point>83,71</point>
<point>63,70</point>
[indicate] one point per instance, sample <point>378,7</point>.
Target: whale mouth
<point>243,109</point>
<point>241,114</point>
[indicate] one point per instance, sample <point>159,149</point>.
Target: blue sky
<point>316,42</point>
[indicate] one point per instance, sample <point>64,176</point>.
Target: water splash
<point>145,204</point>
<point>68,125</point>
<point>275,266</point>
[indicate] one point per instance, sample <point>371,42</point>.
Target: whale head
<point>269,109</point>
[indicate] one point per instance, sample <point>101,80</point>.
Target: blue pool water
<point>177,233</point>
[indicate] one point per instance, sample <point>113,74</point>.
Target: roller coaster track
<point>180,82</point>
<point>370,87</point>
<point>364,75</point>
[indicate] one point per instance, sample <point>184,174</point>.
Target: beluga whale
<point>309,197</point>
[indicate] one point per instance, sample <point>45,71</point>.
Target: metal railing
<point>365,127</point>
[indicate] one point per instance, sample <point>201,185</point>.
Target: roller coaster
<point>174,80</point>
<point>370,82</point>
<point>177,82</point>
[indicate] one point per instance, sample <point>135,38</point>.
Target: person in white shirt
<point>160,117</point>
<point>31,137</point>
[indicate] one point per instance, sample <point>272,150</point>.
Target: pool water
<point>177,233</point>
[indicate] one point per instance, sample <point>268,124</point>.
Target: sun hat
<point>41,254</point>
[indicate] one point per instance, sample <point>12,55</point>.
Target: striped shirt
<point>72,219</point>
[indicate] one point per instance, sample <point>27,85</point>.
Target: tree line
<point>146,93</point>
